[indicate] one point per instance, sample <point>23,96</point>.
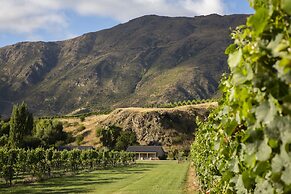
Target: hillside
<point>170,127</point>
<point>151,59</point>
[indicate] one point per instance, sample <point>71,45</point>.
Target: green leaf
<point>230,49</point>
<point>284,69</point>
<point>264,151</point>
<point>274,43</point>
<point>266,112</point>
<point>259,20</point>
<point>240,185</point>
<point>250,160</point>
<point>238,78</point>
<point>286,6</point>
<point>286,175</point>
<point>264,187</point>
<point>286,136</point>
<point>276,177</point>
<point>277,164</point>
<point>257,3</point>
<point>234,165</point>
<point>273,143</point>
<point>248,180</point>
<point>227,176</point>
<point>234,59</point>
<point>262,167</point>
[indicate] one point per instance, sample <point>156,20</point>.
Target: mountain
<point>151,59</point>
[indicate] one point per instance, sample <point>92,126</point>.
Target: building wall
<point>146,155</point>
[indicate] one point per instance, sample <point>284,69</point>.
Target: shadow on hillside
<point>82,183</point>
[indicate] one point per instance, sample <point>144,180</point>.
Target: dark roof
<point>75,147</point>
<point>158,149</point>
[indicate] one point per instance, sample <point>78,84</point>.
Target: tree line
<point>23,131</point>
<point>28,149</point>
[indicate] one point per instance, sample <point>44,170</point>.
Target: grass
<point>152,177</point>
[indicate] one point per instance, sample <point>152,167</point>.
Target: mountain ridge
<point>143,61</point>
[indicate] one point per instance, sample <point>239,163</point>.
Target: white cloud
<point>28,17</point>
<point>128,9</point>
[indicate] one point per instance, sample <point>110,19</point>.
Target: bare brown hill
<point>170,127</point>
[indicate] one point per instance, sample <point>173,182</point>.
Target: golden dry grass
<point>91,123</point>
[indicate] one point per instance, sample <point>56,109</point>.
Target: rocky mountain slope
<point>151,59</point>
<point>169,127</point>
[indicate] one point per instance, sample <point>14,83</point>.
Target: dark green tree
<point>50,132</point>
<point>125,139</point>
<point>21,125</point>
<point>109,136</point>
<point>4,133</point>
<point>4,128</point>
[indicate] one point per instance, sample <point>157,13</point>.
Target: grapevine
<point>42,164</point>
<point>245,145</point>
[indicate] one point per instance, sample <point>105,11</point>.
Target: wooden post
<point>147,155</point>
<point>138,155</point>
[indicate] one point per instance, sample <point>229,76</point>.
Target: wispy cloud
<point>28,17</point>
<point>128,9</point>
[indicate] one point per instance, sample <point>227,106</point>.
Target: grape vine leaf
<point>234,58</point>
<point>264,187</point>
<point>277,164</point>
<point>286,175</point>
<point>264,151</point>
<point>259,20</point>
<point>265,112</point>
<point>286,5</point>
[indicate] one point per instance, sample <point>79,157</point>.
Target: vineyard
<point>245,145</point>
<point>145,177</point>
<point>183,103</point>
<point>164,105</point>
<point>83,115</point>
<point>28,165</point>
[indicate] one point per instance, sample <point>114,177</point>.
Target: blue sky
<point>50,20</point>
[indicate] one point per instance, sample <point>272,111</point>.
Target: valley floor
<point>151,177</point>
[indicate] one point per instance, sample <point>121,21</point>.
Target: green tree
<point>50,132</point>
<point>125,139</point>
<point>109,136</point>
<point>21,125</point>
<point>4,133</point>
<point>4,128</point>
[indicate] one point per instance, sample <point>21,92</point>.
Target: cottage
<point>147,152</point>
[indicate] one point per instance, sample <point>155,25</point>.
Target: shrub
<point>80,128</point>
<point>125,139</point>
<point>177,139</point>
<point>82,118</point>
<point>98,132</point>
<point>79,139</point>
<point>74,124</point>
<point>49,132</point>
<point>66,124</point>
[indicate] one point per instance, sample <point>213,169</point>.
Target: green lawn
<point>152,177</point>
